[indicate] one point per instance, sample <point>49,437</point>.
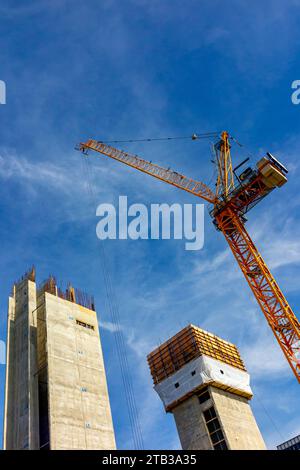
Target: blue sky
<point>124,69</point>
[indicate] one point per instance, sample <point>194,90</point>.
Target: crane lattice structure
<point>233,198</point>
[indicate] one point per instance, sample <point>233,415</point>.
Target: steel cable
<point>118,335</point>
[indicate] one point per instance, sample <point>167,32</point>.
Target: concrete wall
<point>56,393</point>
<point>191,426</point>
<point>10,373</point>
<point>238,423</point>
<point>21,415</point>
<point>79,409</point>
<point>235,417</point>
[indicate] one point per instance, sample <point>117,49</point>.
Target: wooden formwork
<point>189,343</point>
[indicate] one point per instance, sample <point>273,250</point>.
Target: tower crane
<point>235,195</point>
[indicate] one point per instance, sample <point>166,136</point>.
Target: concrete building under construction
<point>56,392</point>
<point>202,380</point>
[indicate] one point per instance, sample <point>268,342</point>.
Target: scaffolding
<point>188,344</point>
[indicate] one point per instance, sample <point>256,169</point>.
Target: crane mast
<point>225,179</point>
<point>230,204</point>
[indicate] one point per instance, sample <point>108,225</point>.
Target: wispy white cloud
<point>263,356</point>
<point>278,431</point>
<point>277,235</point>
<point>109,326</point>
<point>38,173</point>
<point>215,283</point>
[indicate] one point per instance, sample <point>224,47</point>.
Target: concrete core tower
<point>202,380</point>
<point>56,393</point>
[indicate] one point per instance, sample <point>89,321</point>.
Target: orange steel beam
<point>279,315</point>
<point>168,176</point>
